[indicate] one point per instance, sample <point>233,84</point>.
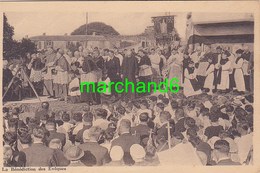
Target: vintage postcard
<point>147,86</point>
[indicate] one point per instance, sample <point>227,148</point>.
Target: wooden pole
<point>169,134</point>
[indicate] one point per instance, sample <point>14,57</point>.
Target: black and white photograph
<point>101,89</point>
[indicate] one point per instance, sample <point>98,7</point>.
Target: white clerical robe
<point>239,76</point>
<point>210,77</point>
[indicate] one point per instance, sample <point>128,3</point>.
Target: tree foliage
<point>98,27</point>
<point>13,48</point>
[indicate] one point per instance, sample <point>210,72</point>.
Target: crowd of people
<point>58,73</point>
<point>208,122</point>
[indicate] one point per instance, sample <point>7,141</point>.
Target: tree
<point>8,41</point>
<point>98,27</point>
<point>13,48</point>
<point>26,46</point>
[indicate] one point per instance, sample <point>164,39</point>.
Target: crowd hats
<point>116,153</point>
<point>74,153</point>
<point>137,152</point>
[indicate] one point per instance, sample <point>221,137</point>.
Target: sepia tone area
<point>209,122</point>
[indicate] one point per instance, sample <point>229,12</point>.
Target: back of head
<point>88,118</point>
<point>94,133</point>
<point>179,113</point>
<point>24,136</point>
<point>143,117</point>
<point>101,113</point>
<point>65,117</point>
<point>38,132</point>
<point>9,138</point>
<point>55,144</point>
<point>124,126</point>
<point>50,125</point>
<point>165,116</point>
<point>77,117</point>
<point>190,122</point>
<point>120,109</point>
<point>222,146</point>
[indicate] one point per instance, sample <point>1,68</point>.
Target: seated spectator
<point>87,124</point>
<point>53,134</point>
<point>95,154</point>
<point>214,129</point>
<point>138,154</point>
<point>221,153</point>
<point>101,118</point>
<point>126,140</point>
<point>47,158</point>
<point>61,160</point>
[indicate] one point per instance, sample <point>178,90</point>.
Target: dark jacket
<point>95,154</point>
<point>39,155</point>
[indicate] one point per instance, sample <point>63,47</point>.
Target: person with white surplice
<point>238,74</point>
<point>222,78</point>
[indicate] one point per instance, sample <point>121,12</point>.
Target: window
<point>49,43</point>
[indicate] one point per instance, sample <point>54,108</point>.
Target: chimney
<point>94,33</point>
<point>44,33</point>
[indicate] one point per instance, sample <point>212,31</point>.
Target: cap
<point>116,153</point>
<point>137,151</point>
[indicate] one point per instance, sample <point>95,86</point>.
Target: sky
<point>59,23</point>
<point>32,23</point>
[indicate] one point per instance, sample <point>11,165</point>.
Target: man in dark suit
<point>221,153</point>
<point>52,134</point>
<point>38,154</point>
<point>142,129</point>
<point>112,66</point>
<point>126,140</point>
<point>95,154</point>
<point>130,72</point>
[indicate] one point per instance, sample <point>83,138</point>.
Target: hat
<point>116,153</point>
<point>86,135</point>
<point>137,151</point>
<point>74,153</point>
